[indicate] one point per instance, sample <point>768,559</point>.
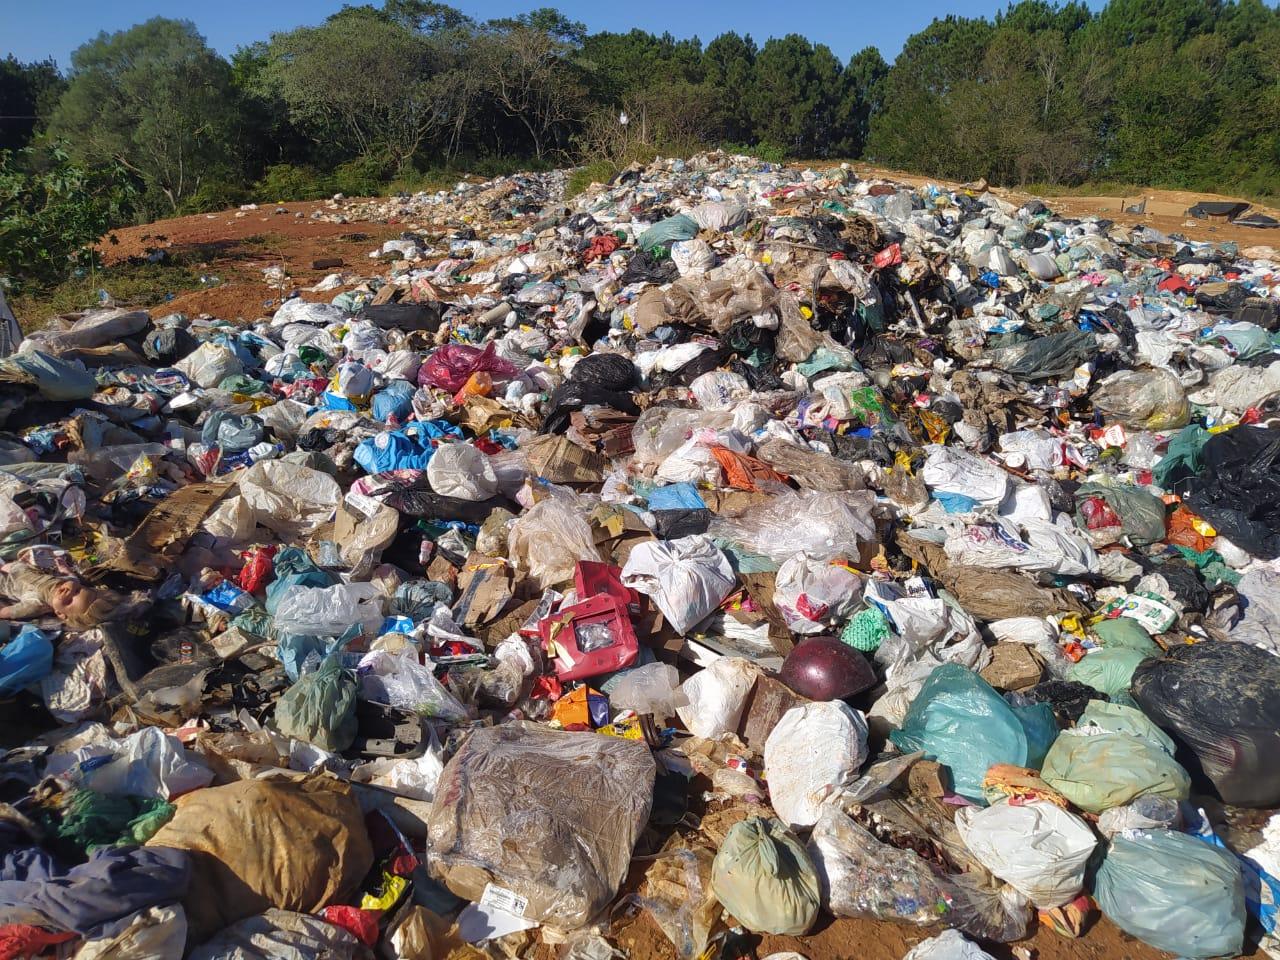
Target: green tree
<point>729,66</point>
<point>155,100</point>
<point>28,92</point>
<point>861,99</point>
<point>52,212</point>
<point>796,96</point>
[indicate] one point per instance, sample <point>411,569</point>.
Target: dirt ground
<point>237,249</point>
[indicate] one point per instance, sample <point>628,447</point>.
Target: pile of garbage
<point>730,546</point>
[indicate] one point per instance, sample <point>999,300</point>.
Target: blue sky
<point>33,31</point>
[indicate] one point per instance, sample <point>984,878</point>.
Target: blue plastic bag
<point>395,401</point>
<point>26,659</point>
<point>960,721</point>
<point>1174,892</point>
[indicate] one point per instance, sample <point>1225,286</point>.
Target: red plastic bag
<point>258,569</point>
<point>453,364</point>
<point>890,256</point>
<point>361,924</point>
<point>1098,514</point>
<point>601,246</point>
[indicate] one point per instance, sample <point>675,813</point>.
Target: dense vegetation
<point>1181,93</point>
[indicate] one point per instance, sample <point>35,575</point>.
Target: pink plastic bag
<point>451,366</point>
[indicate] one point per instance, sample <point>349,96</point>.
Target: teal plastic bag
<point>666,232</point>
<point>960,721</point>
<point>321,707</point>
<point>1041,729</point>
<point>26,659</point>
<point>1109,671</point>
<point>1175,892</point>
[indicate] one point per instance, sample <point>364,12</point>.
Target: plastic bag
<point>948,945</point>
<point>403,682</point>
<point>1219,700</point>
<point>460,470</point>
<point>288,498</point>
<point>812,752</point>
<point>948,470</point>
<point>825,526</point>
<point>1108,671</point>
<point>1150,399</point>
<point>1174,892</point>
<point>765,879</point>
<point>209,365</point>
<point>812,595</point>
<point>330,611</point>
<point>716,697</point>
<point>1098,771</point>
<point>157,933</point>
<point>687,578</point>
<point>1237,488</point>
<point>1038,847</point>
<point>452,365</point>
<point>652,688</point>
<point>959,720</point>
<point>279,934</point>
<point>26,659</point>
<point>549,539</point>
<point>321,707</point>
<point>149,763</point>
<point>551,817</point>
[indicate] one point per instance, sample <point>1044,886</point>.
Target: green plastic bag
<point>1126,633</point>
<point>1099,771</point>
<point>666,232</point>
<point>321,707</point>
<point>1109,670</point>
<point>1182,457</point>
<point>1117,718</point>
<point>960,721</point>
<point>1175,892</point>
<point>763,876</point>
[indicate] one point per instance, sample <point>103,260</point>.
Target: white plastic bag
<point>1037,847</point>
<point>716,697</point>
<point>148,763</point>
<point>948,945</point>
<point>289,498</point>
<point>687,578</point>
<point>209,365</point>
<point>157,933</point>
<point>813,751</point>
<point>692,256</point>
<point>300,311</point>
<point>948,470</point>
<point>460,470</point>
<point>231,520</point>
<point>813,595</point>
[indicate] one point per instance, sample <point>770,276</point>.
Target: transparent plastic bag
<point>821,525</point>
<point>403,682</point>
<point>652,688</point>
<point>1148,399</point>
<point>330,611</point>
<point>716,696</point>
<point>549,539</point>
<point>814,596</point>
<point>288,498</point>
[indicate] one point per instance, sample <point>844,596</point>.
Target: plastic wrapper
<point>765,879</point>
<point>1174,892</point>
<point>823,526</point>
<point>552,817</point>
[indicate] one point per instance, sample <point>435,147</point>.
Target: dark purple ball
<point>824,668</point>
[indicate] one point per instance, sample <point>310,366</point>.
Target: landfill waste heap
<point>728,546</point>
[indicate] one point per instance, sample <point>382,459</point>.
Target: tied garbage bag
<point>1108,671</point>
<point>1124,511</point>
<point>812,595</point>
<point>687,578</point>
<point>1219,699</point>
<point>451,366</point>
<point>1173,891</point>
<point>1098,770</point>
<point>1146,399</point>
<point>1037,847</point>
<point>461,471</point>
<point>948,945</point>
<point>764,878</point>
<point>549,818</point>
<point>321,707</point>
<point>959,720</point>
<point>1238,488</point>
<point>813,752</point>
<point>255,844</point>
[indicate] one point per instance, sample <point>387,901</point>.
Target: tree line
<point>1180,93</point>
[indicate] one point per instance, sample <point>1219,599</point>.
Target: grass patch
<point>138,285</point>
<point>597,171</point>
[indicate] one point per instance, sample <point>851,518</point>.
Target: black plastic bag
<point>1219,700</point>
<point>1067,698</point>
<point>1238,488</point>
<point>1052,356</point>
